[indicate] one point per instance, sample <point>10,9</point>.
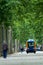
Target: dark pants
<point>4,53</point>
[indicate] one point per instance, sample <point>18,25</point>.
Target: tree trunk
<point>9,35</point>
<point>0,40</point>
<point>3,32</point>
<point>15,45</point>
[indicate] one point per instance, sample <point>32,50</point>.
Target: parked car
<point>38,49</point>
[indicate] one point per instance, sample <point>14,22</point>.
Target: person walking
<point>5,49</point>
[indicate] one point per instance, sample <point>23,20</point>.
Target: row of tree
<point>29,20</point>
<point>25,17</point>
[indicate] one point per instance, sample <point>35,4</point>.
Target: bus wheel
<point>34,51</point>
<point>27,52</point>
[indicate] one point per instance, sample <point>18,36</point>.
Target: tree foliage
<point>25,16</point>
<point>30,16</point>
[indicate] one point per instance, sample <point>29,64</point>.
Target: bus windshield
<point>31,43</point>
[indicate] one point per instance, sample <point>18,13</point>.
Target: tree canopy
<point>25,16</point>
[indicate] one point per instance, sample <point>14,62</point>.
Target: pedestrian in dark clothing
<point>5,49</point>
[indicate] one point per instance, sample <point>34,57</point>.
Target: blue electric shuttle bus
<point>30,46</point>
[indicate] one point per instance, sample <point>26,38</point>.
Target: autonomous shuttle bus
<point>30,46</point>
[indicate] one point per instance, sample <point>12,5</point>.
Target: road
<point>23,59</point>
